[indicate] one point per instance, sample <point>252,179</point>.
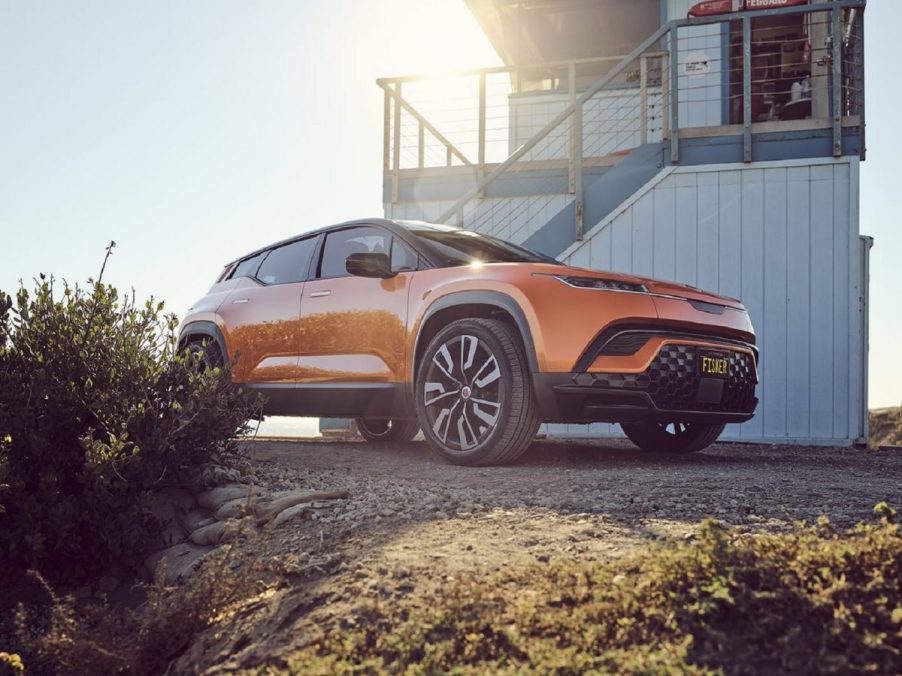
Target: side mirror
<point>369,265</point>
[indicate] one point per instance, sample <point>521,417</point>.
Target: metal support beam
<point>421,145</point>
<point>674,97</point>
<point>859,50</point>
<point>571,156</point>
<point>386,133</point>
<point>576,155</point>
<point>747,89</point>
<point>836,79</point>
<point>396,151</point>
<point>480,171</point>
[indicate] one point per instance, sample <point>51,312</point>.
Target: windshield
<point>462,247</point>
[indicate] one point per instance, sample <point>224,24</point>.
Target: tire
<point>684,437</point>
<point>476,370</point>
<point>208,353</point>
<point>383,429</point>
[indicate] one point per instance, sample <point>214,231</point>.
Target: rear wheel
<point>672,437</point>
<point>474,393</point>
<point>385,429</point>
<point>205,353</point>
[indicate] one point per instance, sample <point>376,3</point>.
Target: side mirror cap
<point>369,265</point>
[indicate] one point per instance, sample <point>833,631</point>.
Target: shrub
<point>96,409</point>
<point>809,601</point>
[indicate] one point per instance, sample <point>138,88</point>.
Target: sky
<point>193,131</point>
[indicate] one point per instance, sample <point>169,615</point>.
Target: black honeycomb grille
<point>672,381</point>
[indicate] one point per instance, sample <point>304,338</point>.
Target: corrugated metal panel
<point>782,236</point>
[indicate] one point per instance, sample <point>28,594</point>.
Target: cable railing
<point>799,67</point>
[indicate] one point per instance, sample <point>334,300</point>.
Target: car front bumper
<point>664,385</point>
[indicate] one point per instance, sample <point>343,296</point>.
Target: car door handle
<point>320,294</point>
<point>241,301</point>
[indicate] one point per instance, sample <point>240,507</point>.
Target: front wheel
<point>385,429</point>
<point>672,437</point>
<point>474,393</point>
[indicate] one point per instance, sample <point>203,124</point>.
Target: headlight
<point>601,284</point>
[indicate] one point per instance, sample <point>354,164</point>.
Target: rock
<point>196,518</point>
<point>267,510</point>
<point>217,475</point>
<point>173,533</point>
<point>181,499</point>
<point>180,561</point>
<point>289,513</point>
<point>217,497</point>
<point>219,532</point>
<point>236,508</point>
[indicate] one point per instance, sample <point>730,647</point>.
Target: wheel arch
<point>462,304</point>
<point>203,329</point>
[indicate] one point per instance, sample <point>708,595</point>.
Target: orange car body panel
<point>564,320</point>
<point>354,329</point>
<point>364,332</point>
<point>288,333</point>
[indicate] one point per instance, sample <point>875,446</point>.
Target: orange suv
<point>407,325</point>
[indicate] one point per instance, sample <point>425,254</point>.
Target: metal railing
<point>727,72</point>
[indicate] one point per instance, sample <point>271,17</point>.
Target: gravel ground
<point>414,522</point>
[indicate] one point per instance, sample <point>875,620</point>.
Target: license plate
<point>714,364</point>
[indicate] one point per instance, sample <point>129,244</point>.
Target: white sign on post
<point>696,63</point>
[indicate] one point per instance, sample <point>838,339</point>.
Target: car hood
<point>655,286</point>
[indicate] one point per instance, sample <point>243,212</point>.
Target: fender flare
<point>204,328</point>
<point>493,298</point>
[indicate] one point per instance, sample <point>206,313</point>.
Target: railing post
<point>836,80</point>
<point>421,145</point>
<point>386,132</point>
<point>396,158</point>
<point>571,156</point>
<point>449,156</point>
<point>480,170</point>
<point>576,154</point>
<point>643,100</point>
<point>746,89</point>
<point>665,96</point>
<point>674,96</point>
<point>859,51</point>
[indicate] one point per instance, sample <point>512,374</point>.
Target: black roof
<point>399,227</point>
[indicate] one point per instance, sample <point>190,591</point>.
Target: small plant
<point>810,601</point>
<point>97,407</point>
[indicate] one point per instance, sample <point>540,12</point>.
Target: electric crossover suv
<point>407,325</point>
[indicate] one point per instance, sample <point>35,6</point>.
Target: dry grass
<point>886,427</point>
<point>810,601</point>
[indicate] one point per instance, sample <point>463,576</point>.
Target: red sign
<point>711,7</point>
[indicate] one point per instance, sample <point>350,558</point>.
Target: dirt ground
<point>415,522</point>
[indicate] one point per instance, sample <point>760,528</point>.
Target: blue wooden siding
<point>782,236</point>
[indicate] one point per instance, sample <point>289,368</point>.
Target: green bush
<point>810,601</point>
<point>96,409</point>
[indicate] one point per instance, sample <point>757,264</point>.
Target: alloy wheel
<point>462,392</point>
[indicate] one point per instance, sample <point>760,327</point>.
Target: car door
<point>353,330</point>
<point>262,313</point>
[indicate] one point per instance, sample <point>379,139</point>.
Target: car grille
<point>672,381</point>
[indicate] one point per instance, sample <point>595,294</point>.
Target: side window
<point>248,267</point>
<point>402,257</point>
<point>342,243</point>
<point>288,263</point>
